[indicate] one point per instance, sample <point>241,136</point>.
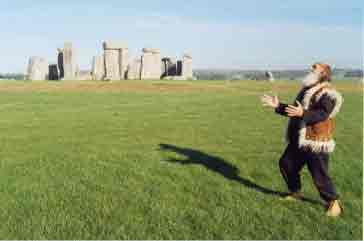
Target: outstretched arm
<point>273,102</point>
<point>281,109</point>
<point>321,112</point>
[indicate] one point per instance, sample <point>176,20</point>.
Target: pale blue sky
<point>219,34</point>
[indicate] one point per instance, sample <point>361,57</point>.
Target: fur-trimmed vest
<point>318,137</point>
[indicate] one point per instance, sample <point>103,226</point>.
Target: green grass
<point>88,165</point>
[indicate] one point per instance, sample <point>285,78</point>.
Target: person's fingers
<point>265,98</point>
<point>298,103</point>
<point>265,102</point>
<point>290,112</point>
<point>293,112</point>
<point>291,109</point>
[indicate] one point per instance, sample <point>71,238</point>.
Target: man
<point>310,135</point>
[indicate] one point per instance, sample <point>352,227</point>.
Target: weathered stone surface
<point>173,67</point>
<point>114,45</point>
<point>158,65</point>
<point>112,64</point>
<point>77,71</point>
<point>177,70</point>
<point>84,75</point>
<point>179,67</point>
<point>68,62</point>
<point>165,64</point>
<point>147,66</point>
<point>187,71</point>
<point>116,56</point>
<point>37,68</point>
<point>169,67</point>
<point>151,50</point>
<point>270,76</point>
<point>60,63</point>
<point>53,72</point>
<point>151,64</point>
<point>134,69</point>
<point>98,68</point>
<point>123,62</point>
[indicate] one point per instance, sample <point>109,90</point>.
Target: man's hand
<point>295,111</point>
<point>271,101</point>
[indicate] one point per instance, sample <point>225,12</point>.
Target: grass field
<point>163,160</point>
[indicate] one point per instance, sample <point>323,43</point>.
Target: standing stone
<point>151,64</point>
<point>98,70</point>
<point>147,64</point>
<point>270,76</point>
<point>60,63</point>
<point>111,64</point>
<point>169,67</point>
<point>37,68</point>
<point>116,60</point>
<point>84,75</point>
<point>123,62</point>
<point>157,64</point>
<point>77,72</point>
<point>172,70</point>
<point>187,71</point>
<point>165,66</point>
<point>134,69</point>
<point>68,62</point>
<point>53,72</point>
<point>179,67</point>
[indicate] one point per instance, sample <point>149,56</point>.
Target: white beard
<point>310,79</point>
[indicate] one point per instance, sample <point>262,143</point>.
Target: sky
<point>230,34</point>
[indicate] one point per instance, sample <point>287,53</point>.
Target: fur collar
<point>325,88</point>
<point>318,90</point>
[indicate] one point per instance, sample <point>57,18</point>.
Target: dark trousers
<point>292,162</point>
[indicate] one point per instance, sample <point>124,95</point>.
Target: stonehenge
<point>169,67</point>
<point>134,69</point>
<point>84,75</point>
<point>53,72</point>
<point>151,64</point>
<point>112,65</point>
<point>37,68</point>
<point>98,70</point>
<point>187,71</point>
<point>270,76</point>
<point>60,63</point>
<point>116,60</point>
<point>67,64</point>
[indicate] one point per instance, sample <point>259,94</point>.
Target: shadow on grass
<point>221,167</point>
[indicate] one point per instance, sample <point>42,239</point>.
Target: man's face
<point>317,72</point>
<point>318,69</point>
<point>311,78</point>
